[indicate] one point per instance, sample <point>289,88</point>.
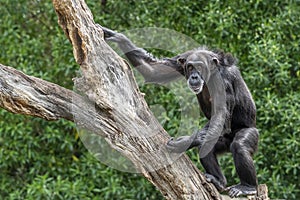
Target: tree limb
<point>28,95</point>
<point>110,83</point>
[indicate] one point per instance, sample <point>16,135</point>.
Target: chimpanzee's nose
<point>194,76</point>
<point>194,80</point>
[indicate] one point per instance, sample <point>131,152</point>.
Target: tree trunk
<point>110,105</point>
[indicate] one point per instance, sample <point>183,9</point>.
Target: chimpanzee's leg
<point>211,165</point>
<point>243,147</point>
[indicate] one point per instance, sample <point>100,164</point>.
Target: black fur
<point>213,76</point>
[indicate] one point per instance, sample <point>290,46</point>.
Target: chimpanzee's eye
<point>190,67</point>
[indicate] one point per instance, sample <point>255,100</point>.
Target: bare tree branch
<point>28,95</point>
<point>32,96</point>
<point>110,83</point>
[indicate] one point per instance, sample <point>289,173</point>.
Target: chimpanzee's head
<point>197,68</point>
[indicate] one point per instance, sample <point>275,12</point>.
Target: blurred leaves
<point>46,160</point>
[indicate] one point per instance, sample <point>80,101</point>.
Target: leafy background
<point>47,160</point>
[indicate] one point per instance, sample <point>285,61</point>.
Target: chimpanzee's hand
<point>179,145</point>
<point>110,35</point>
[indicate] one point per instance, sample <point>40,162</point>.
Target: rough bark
<point>110,105</point>
<point>28,95</point>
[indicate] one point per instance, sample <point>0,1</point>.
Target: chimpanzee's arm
<point>153,70</point>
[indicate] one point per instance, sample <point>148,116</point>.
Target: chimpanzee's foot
<point>211,179</point>
<point>238,190</point>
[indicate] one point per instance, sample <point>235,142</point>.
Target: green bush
<point>46,160</point>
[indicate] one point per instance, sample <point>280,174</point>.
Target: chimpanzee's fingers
<point>107,32</point>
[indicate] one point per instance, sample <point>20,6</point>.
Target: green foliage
<point>46,160</point>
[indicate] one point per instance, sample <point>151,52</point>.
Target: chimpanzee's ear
<point>181,61</point>
<point>215,60</point>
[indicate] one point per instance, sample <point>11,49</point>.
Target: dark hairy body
<point>223,97</point>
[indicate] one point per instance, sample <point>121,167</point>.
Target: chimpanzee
<point>223,97</point>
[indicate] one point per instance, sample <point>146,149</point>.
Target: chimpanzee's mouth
<point>196,89</point>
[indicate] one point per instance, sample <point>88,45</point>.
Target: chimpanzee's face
<point>194,77</point>
<point>197,69</point>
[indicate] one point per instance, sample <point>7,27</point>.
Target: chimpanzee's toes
<point>239,190</point>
